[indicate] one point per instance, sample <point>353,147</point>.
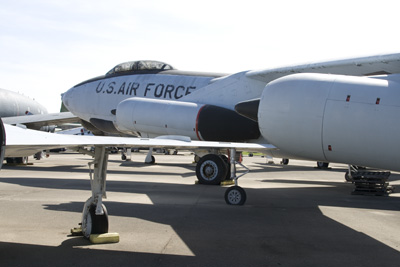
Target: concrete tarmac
<point>295,215</point>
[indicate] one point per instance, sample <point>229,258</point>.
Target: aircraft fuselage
<point>99,102</point>
<point>14,104</point>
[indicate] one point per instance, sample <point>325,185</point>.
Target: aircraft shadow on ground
<point>277,226</point>
<point>127,167</point>
<point>15,254</point>
<point>280,230</point>
<point>273,168</point>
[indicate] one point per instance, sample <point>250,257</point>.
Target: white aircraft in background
<point>322,117</point>
<point>14,104</point>
<point>15,108</point>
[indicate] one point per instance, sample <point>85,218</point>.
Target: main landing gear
<point>212,169</point>
<point>94,215</point>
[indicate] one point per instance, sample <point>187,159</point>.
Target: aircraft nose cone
<point>67,98</point>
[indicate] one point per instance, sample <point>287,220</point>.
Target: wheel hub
<point>234,196</point>
<point>209,170</point>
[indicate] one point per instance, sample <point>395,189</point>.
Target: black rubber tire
<point>285,161</point>
<point>153,161</point>
<point>17,160</point>
<point>235,195</point>
<point>347,177</point>
<point>211,170</point>
<point>228,167</point>
<point>322,165</point>
<point>99,222</point>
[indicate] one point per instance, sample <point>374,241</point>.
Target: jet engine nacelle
<point>2,142</point>
<point>334,118</point>
<point>197,121</point>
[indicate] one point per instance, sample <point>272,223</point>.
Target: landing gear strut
<point>212,169</point>
<point>94,215</point>
<point>150,158</point>
<point>235,195</point>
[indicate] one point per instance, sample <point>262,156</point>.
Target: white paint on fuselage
<point>96,99</point>
<point>229,91</point>
<point>334,118</point>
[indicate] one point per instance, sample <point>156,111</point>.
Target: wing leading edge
<point>39,120</point>
<point>22,142</point>
<point>363,66</point>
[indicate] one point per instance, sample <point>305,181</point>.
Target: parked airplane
<point>311,115</point>
<point>15,104</point>
<point>150,98</point>
<point>14,109</point>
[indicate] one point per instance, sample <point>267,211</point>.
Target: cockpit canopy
<point>141,66</point>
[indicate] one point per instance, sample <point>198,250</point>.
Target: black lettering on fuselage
<point>168,90</point>
<point>148,88</point>
<point>134,87</point>
<point>121,89</point>
<point>100,88</point>
<point>189,88</point>
<point>159,90</point>
<point>179,95</point>
<point>110,87</point>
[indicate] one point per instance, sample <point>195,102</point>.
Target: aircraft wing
<point>364,66</point>
<point>22,142</point>
<point>39,120</point>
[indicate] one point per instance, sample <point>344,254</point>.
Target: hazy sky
<point>48,46</point>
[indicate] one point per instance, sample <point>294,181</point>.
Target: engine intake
<point>221,124</point>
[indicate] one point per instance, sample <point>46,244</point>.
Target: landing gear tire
<point>211,170</point>
<point>347,177</point>
<point>228,167</point>
<point>152,161</point>
<point>285,161</point>
<point>235,195</point>
<point>322,165</point>
<point>94,224</point>
<point>19,160</point>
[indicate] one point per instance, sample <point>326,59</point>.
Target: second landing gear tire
<point>347,177</point>
<point>211,170</point>
<point>152,161</point>
<point>322,165</point>
<point>19,160</point>
<point>94,224</point>
<point>285,161</point>
<point>228,167</point>
<point>235,195</point>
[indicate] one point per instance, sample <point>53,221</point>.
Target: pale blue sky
<point>48,46</point>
